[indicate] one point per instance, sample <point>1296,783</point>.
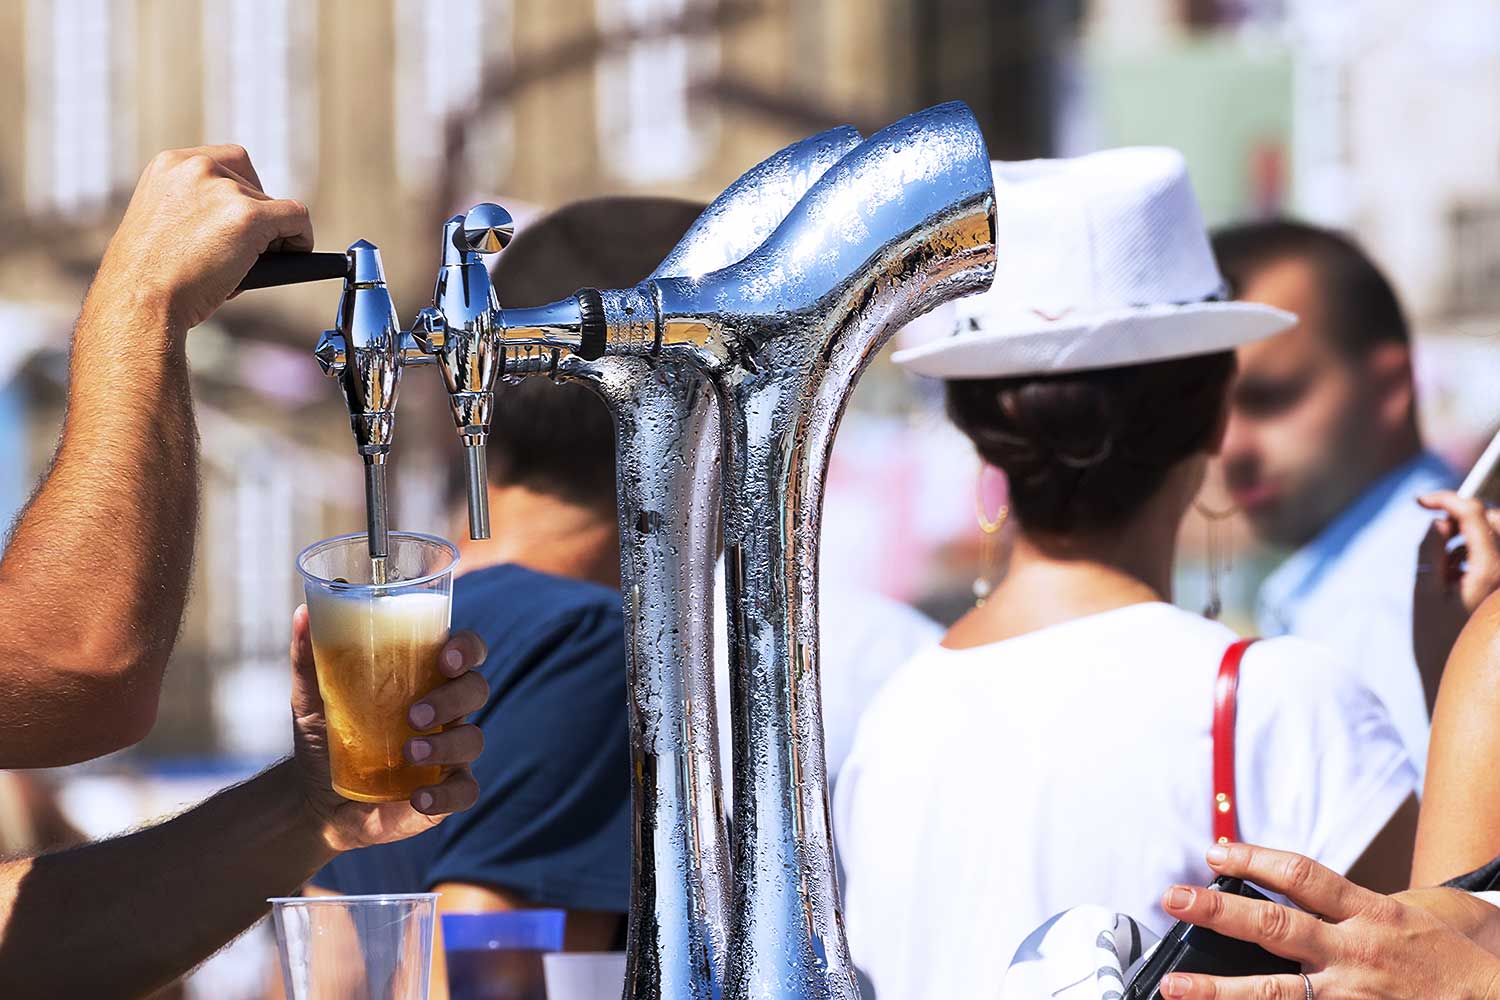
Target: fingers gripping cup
<point>376,648</point>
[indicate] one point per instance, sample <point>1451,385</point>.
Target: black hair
<point>1083,451</point>
<point>1360,306</point>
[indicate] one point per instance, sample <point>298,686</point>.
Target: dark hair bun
<point>1084,451</point>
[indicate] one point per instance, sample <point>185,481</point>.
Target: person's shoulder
<point>1476,654</point>
<point>516,594</point>
<point>890,615</point>
<point>896,708</point>
<point>1295,678</point>
<point>1172,635</point>
<point>875,612</point>
<point>866,635</point>
<point>1165,632</point>
<point>1294,656</point>
<point>1382,554</point>
<point>922,679</point>
<point>526,618</point>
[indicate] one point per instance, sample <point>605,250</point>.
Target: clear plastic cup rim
<point>327,543</point>
<point>391,897</point>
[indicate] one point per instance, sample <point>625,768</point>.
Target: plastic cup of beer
<point>376,647</point>
<point>355,947</point>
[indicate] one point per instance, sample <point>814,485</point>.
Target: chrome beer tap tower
<point>727,371</point>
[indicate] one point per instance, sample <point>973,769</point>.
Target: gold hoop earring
<point>989,528</point>
<point>1218,558</point>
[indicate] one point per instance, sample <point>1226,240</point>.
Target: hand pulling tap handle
<point>293,268</point>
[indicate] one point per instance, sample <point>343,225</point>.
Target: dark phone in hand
<point>1187,948</point>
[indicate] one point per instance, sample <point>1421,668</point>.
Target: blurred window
<point>810,43</point>
<point>439,80</point>
<point>1475,239</point>
<point>79,135</point>
<point>1324,166</point>
<point>650,127</point>
<point>260,87</point>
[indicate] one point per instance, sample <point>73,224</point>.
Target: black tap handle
<point>293,268</point>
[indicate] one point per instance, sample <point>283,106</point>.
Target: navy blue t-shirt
<point>553,818</point>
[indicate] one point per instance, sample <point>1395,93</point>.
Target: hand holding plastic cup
<point>376,648</point>
<point>355,947</point>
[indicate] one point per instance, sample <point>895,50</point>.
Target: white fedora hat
<point>1103,261</point>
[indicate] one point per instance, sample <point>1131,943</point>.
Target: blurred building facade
<point>385,115</point>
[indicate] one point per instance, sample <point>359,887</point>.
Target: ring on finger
<point>1307,986</point>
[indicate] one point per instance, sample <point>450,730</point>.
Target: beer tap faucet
<point>366,351</point>
<point>458,332</point>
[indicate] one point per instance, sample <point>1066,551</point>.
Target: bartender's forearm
<point>123,917</point>
<point>93,583</point>
<point>94,580</point>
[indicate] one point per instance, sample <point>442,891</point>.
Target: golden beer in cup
<point>376,648</point>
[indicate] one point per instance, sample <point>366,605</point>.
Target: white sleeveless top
<point>991,788</point>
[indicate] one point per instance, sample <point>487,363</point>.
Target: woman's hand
<point>1364,945</point>
<point>345,824</point>
<point>1450,585</point>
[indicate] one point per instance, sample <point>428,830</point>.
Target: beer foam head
<point>368,619</point>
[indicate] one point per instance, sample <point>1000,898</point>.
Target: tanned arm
<point>1460,825</point>
<point>94,578</point>
<point>147,907</point>
<point>126,916</point>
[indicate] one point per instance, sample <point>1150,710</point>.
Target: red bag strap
<point>1226,694</point>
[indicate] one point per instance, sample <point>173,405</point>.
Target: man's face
<point>1303,417</point>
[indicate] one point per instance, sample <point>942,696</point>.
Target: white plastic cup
<point>355,947</point>
<point>584,975</point>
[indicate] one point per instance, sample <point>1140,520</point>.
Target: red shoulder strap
<point>1226,692</point>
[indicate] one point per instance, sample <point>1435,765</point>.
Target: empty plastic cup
<point>585,975</point>
<point>498,956</point>
<point>355,947</point>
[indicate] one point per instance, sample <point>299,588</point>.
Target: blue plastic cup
<point>498,956</point>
